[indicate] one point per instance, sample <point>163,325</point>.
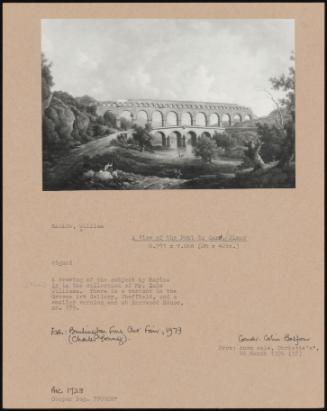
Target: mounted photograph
<point>139,104</point>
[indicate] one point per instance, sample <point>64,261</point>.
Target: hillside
<point>271,119</point>
<point>86,100</point>
<point>68,122</point>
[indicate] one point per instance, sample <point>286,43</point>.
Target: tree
<point>92,109</point>
<point>68,99</point>
<point>110,119</point>
<point>286,83</point>
<point>206,149</point>
<point>253,153</point>
<point>276,141</point>
<point>47,81</point>
<point>273,139</point>
<point>251,149</point>
<point>142,137</point>
<point>50,137</point>
<point>125,124</point>
<point>223,140</point>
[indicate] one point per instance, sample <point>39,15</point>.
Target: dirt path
<point>95,147</point>
<point>68,163</point>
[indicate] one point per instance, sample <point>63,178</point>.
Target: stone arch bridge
<point>178,123</point>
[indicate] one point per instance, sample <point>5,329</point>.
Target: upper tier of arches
<point>158,118</point>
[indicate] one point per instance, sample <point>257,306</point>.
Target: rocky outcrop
<point>58,122</point>
<point>81,125</point>
<point>67,122</point>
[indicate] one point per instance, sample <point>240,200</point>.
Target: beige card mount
<point>163,205</point>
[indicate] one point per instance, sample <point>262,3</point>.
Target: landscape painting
<point>140,104</point>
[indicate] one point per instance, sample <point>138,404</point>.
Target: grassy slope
<point>219,174</point>
<point>133,161</point>
<point>158,165</point>
<point>70,162</point>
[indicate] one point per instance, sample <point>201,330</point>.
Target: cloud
<point>208,60</point>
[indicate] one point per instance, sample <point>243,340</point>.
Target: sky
<point>227,61</point>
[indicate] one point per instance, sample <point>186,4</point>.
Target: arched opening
<point>159,139</point>
<point>200,119</point>
<point>206,134</point>
<point>214,120</point>
<point>127,115</point>
<point>186,119</point>
<point>141,118</point>
<point>126,120</point>
<point>190,137</point>
<point>247,117</point>
<point>157,119</point>
<point>175,140</point>
<point>237,119</point>
<point>226,120</point>
<point>172,118</point>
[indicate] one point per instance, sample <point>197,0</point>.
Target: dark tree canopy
<point>142,137</point>
<point>125,124</point>
<point>47,80</point>
<point>286,83</point>
<point>110,119</point>
<point>205,148</point>
<point>223,140</point>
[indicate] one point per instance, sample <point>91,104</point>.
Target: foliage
<point>286,83</point>
<point>125,124</point>
<point>142,137</point>
<point>69,121</point>
<point>86,100</point>
<point>92,110</point>
<point>289,144</point>
<point>47,80</point>
<point>110,119</point>
<point>67,99</point>
<point>205,148</point>
<point>273,139</point>
<point>224,140</point>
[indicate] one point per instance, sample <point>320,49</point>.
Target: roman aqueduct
<point>178,123</point>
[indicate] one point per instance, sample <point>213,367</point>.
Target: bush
<point>125,124</point>
<point>223,140</point>
<point>142,137</point>
<point>206,149</point>
<point>110,119</point>
<point>273,140</point>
